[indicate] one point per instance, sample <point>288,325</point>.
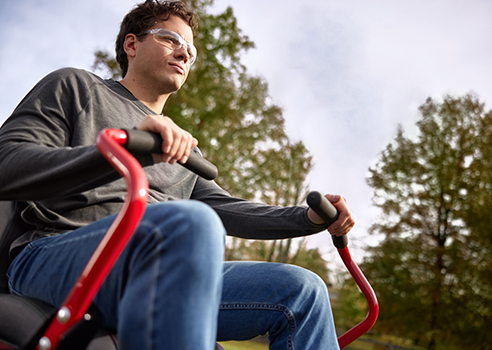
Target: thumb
<point>333,198</point>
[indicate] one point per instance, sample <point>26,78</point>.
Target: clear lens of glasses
<point>174,41</point>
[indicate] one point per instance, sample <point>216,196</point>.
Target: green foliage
<point>107,64</point>
<point>238,128</point>
<point>229,112</point>
<point>432,270</point>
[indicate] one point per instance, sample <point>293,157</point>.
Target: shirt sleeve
<point>252,220</point>
<point>37,157</point>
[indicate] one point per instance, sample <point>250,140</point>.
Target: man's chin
<point>171,88</point>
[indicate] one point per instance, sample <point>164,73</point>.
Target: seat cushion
<point>21,317</point>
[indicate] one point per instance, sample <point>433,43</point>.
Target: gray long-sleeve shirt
<point>48,159</point>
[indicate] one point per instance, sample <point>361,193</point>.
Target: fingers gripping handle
<point>146,142</point>
<point>328,213</point>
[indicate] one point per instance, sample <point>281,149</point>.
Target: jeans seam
<point>260,306</point>
<point>153,229</point>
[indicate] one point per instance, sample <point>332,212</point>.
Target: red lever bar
<point>109,142</point>
<point>355,332</point>
<point>329,214</point>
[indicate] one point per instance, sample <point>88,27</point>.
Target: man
<point>170,288</point>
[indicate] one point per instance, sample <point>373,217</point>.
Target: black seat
<point>21,318</point>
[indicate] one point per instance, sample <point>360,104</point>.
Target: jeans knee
<point>314,281</point>
<point>177,229</point>
<point>190,216</point>
<point>202,218</point>
<point>202,228</point>
<point>307,287</point>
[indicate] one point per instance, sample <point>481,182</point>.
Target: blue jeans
<point>170,289</point>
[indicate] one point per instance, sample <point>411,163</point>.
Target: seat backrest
<point>11,227</point>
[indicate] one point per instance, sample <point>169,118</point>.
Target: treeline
<point>432,270</point>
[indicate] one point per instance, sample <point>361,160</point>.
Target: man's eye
<point>168,39</point>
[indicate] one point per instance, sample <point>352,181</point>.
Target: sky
<point>346,73</point>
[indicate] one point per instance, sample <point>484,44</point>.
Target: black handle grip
<point>328,213</point>
<point>147,142</point>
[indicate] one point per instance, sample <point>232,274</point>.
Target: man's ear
<point>130,44</point>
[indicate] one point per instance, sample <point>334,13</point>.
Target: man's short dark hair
<point>143,17</point>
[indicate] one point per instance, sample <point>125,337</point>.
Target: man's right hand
<point>177,143</point>
<point>345,221</point>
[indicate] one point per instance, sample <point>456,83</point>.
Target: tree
<point>227,109</point>
<point>434,192</point>
<point>230,112</point>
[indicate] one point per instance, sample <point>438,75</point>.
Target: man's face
<point>158,63</point>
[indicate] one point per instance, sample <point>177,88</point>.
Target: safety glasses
<point>173,41</point>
